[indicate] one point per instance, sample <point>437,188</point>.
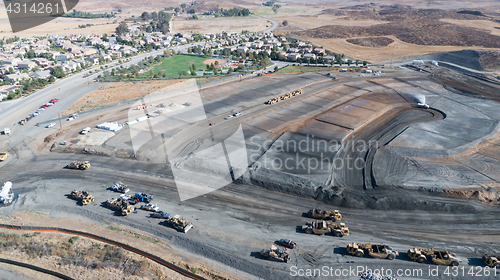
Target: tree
<point>145,16</point>
<point>349,62</point>
<point>276,68</point>
<point>58,72</point>
<point>285,23</point>
<point>11,70</point>
<point>230,70</point>
<point>30,54</point>
<point>193,67</point>
<point>365,63</point>
<point>191,11</point>
<point>177,10</point>
<point>52,79</point>
<point>122,28</point>
<point>195,17</point>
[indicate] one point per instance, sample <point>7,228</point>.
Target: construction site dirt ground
<point>235,222</point>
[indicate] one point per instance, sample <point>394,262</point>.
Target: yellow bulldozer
<point>84,196</point>
<point>375,251</point>
<point>492,261</point>
<point>82,165</point>
<point>437,257</point>
<point>324,227</point>
<point>4,156</point>
<point>317,213</point>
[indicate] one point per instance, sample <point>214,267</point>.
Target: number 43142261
<point>35,8</point>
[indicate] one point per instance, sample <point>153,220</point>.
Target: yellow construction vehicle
<point>375,251</point>
<point>437,257</point>
<point>84,196</point>
<point>492,261</point>
<point>317,213</point>
<point>4,156</point>
<point>323,227</point>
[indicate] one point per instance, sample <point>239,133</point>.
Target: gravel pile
<point>374,276</point>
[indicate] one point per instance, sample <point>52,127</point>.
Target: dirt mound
<point>490,59</point>
<point>372,42</point>
<point>419,32</point>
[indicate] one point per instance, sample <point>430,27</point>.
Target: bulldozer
<point>324,227</point>
<point>179,223</point>
<point>375,251</point>
<point>84,196</point>
<point>437,257</point>
<point>82,165</point>
<point>4,156</point>
<point>272,100</point>
<point>492,261</point>
<point>120,204</point>
<point>324,214</point>
<point>275,254</point>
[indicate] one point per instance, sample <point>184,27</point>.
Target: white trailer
<point>6,194</point>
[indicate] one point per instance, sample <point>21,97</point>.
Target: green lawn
<point>172,65</point>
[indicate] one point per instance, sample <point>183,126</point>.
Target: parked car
<point>212,123</point>
<point>50,125</point>
<point>228,117</point>
<point>287,243</point>
<point>237,114</point>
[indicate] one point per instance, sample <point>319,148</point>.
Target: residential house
<point>26,64</point>
<point>41,74</point>
<point>14,78</point>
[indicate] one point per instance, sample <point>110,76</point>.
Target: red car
<point>212,123</point>
<point>54,100</point>
<point>46,105</point>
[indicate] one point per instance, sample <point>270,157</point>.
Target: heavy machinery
<point>84,196</point>
<point>492,261</point>
<point>437,257</point>
<point>82,165</point>
<point>284,96</point>
<point>143,197</point>
<point>120,187</point>
<point>324,214</point>
<point>4,156</point>
<point>23,121</point>
<point>179,223</point>
<point>120,204</point>
<point>323,227</point>
<point>375,251</point>
<point>275,254</point>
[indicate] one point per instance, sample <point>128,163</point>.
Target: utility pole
<point>60,124</point>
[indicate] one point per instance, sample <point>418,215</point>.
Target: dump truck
<point>179,223</point>
<point>119,187</point>
<point>143,197</point>
<point>324,214</point>
<point>4,156</point>
<point>375,251</point>
<point>492,261</point>
<point>275,254</point>
<point>324,227</point>
<point>84,196</point>
<point>437,257</point>
<point>120,204</point>
<point>82,165</point>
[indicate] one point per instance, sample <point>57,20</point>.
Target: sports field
<point>172,65</point>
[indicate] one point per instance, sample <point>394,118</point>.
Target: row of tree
<point>80,14</point>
